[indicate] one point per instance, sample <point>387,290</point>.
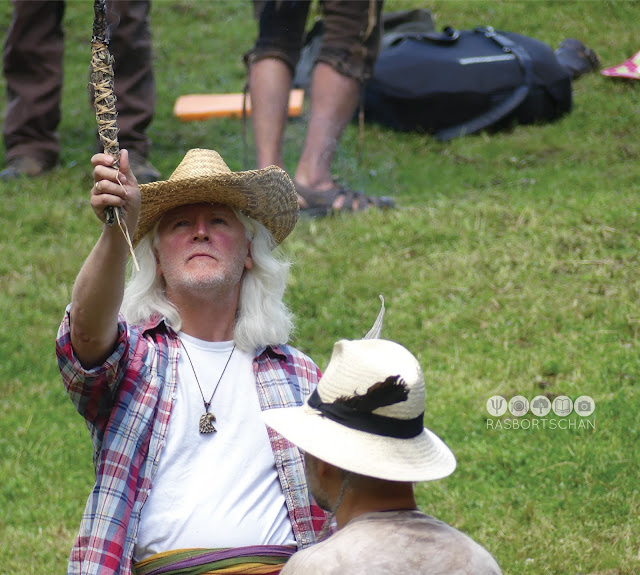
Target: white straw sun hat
<point>266,195</point>
<point>366,415</point>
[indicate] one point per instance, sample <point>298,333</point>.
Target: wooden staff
<point>104,101</point>
<point>104,98</point>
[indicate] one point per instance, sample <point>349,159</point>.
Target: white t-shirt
<point>219,489</point>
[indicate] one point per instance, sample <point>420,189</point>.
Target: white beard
<point>219,280</point>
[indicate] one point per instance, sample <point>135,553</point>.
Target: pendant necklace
<point>207,419</point>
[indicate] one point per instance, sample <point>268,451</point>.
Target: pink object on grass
<point>628,69</point>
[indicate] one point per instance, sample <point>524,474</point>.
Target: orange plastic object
<point>202,106</point>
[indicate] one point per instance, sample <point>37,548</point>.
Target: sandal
<point>320,203</point>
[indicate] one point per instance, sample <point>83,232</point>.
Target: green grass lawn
<point>510,268</point>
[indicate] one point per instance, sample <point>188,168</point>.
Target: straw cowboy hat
<point>366,416</point>
<point>266,195</point>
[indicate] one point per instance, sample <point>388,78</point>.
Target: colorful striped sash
<point>255,559</point>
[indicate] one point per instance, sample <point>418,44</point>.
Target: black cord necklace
<point>207,419</point>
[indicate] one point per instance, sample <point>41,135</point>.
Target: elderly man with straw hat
<point>172,367</point>
<point>365,445</point>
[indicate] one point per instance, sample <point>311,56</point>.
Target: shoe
<point>577,58</point>
<point>144,171</point>
<point>320,203</point>
<point>24,166</point>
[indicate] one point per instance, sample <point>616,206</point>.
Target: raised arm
<point>99,287</point>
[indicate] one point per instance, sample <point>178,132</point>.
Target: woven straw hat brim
<point>266,195</point>
<point>422,458</point>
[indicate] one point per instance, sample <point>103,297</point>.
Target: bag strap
<point>501,110</point>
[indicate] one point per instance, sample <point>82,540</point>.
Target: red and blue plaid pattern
<point>127,403</point>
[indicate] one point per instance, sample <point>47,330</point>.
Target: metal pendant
<point>206,423</point>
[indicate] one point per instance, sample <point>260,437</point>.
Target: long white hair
<point>262,317</point>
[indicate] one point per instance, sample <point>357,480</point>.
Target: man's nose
<point>201,231</point>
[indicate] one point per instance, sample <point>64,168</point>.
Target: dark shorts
<point>350,42</point>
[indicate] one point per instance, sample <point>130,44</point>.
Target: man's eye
<point>218,221</point>
<point>180,224</point>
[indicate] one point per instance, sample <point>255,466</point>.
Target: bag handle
<point>501,110</point>
<point>448,35</point>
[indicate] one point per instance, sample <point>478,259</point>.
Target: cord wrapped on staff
<point>104,100</point>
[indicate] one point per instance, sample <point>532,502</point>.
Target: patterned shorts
<point>350,41</point>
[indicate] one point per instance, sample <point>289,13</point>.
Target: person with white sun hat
<point>365,445</point>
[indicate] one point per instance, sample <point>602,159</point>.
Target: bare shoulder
<point>414,544</point>
<point>313,561</point>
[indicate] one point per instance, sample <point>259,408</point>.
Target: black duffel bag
<point>460,82</point>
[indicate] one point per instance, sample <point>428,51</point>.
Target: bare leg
<point>269,86</point>
<point>334,98</point>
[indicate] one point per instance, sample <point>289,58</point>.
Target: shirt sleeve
<point>91,390</point>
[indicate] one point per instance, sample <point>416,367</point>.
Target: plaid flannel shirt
<point>127,402</point>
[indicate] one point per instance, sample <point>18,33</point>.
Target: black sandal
<point>320,203</point>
